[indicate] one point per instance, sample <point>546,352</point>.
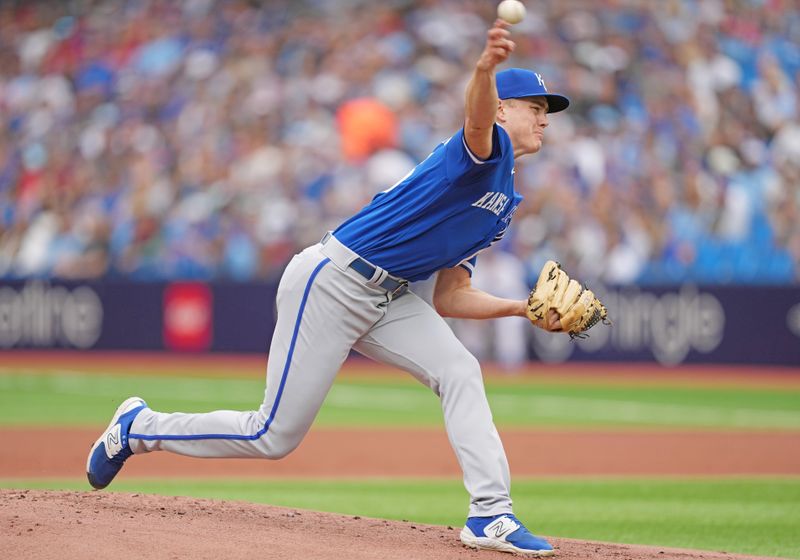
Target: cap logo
<point>541,80</point>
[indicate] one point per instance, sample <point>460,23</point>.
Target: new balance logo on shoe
<point>111,449</point>
<point>500,530</point>
<point>503,532</point>
<point>500,527</point>
<point>113,442</point>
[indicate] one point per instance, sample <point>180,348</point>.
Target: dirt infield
<point>427,453</point>
<point>38,525</point>
<point>58,525</point>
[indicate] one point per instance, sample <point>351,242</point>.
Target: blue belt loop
<point>395,287</point>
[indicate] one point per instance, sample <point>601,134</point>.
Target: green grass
<point>759,516</point>
<point>748,516</point>
<point>74,398</point>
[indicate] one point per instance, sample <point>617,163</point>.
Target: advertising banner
<point>673,325</point>
<point>670,325</point>
<point>188,317</point>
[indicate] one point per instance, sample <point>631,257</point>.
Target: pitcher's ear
<point>501,111</point>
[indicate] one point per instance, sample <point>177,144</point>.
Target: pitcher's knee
<point>277,446</point>
<point>279,452</point>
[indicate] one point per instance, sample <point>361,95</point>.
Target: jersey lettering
<point>482,200</point>
<point>494,202</point>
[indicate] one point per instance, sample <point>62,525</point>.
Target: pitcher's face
<point>524,120</point>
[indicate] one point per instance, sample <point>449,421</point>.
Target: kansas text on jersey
<point>447,209</point>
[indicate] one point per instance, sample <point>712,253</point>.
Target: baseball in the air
<point>512,11</point>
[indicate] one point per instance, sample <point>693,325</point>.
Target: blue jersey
<point>447,209</point>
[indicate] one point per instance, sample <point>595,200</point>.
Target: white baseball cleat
<point>111,449</point>
<point>505,533</point>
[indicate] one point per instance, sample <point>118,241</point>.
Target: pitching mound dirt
<point>40,525</point>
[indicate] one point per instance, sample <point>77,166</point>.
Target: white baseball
<point>512,11</point>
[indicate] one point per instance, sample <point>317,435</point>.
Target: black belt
<point>368,271</point>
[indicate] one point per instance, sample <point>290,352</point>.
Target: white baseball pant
<point>326,308</point>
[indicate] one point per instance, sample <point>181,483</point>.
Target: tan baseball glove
<point>576,306</point>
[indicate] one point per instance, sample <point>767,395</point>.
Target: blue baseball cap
<point>518,82</point>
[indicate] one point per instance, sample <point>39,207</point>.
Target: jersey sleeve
<point>460,160</point>
<point>469,265</point>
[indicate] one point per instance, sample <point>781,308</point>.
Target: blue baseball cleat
<point>111,449</point>
<point>505,533</point>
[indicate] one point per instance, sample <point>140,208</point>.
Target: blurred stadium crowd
<point>160,139</point>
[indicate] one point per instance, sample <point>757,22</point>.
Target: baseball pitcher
<point>350,291</point>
